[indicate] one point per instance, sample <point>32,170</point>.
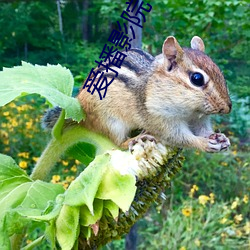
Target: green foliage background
<point>30,31</point>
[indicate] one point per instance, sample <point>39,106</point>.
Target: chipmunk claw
<point>141,139</point>
<point>218,142</point>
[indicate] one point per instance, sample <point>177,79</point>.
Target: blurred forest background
<point>207,206</point>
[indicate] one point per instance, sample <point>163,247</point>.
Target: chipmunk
<point>170,96</point>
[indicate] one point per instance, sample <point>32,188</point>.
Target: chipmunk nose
<point>226,109</point>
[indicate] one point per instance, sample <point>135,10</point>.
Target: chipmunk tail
<point>50,118</point>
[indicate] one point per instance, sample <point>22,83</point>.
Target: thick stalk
<point>57,147</point>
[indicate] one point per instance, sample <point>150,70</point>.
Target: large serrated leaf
<point>9,168</point>
<point>9,184</point>
<point>39,194</point>
<point>86,218</point>
<point>67,226</point>
<point>21,197</point>
<point>14,198</point>
<point>118,188</point>
<point>53,82</point>
<point>83,189</point>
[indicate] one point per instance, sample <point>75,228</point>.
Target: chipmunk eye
<point>197,79</point>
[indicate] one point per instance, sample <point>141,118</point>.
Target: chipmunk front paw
<point>217,142</point>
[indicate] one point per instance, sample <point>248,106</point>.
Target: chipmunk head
<point>200,78</point>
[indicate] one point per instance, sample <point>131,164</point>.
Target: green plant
<point>199,223</point>
<point>103,202</point>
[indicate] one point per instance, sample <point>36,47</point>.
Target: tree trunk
<point>59,16</point>
<point>85,33</point>
<point>137,42</point>
<point>131,238</point>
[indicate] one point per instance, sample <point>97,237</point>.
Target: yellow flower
<point>203,199</point>
<point>223,221</point>
<point>29,124</point>
<point>23,164</point>
<point>77,162</point>
<point>73,168</point>
<point>187,211</point>
<point>65,163</point>
<point>35,159</point>
<point>235,203</point>
<point>23,107</point>
<point>12,105</point>
<point>225,164</point>
<point>211,195</point>
<point>4,133</point>
<point>245,199</point>
<point>234,152</point>
<point>65,185</point>
<point>24,154</point>
<point>6,141</point>
<point>238,218</point>
<point>247,227</point>
<point>14,123</point>
<point>197,242</point>
<point>193,190</point>
<point>55,178</point>
<point>6,113</point>
<point>182,248</point>
<point>70,178</point>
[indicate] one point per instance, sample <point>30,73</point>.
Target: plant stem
<point>57,147</point>
<point>16,240</point>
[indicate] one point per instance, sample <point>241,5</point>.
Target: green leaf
<point>14,223</point>
<point>83,152</point>
<point>83,189</point>
<point>86,231</point>
<point>9,168</point>
<point>20,197</point>
<point>58,127</point>
<point>86,218</point>
<point>39,194</point>
<point>53,82</point>
<point>49,214</point>
<point>67,226</point>
<point>112,208</point>
<point>4,240</point>
<point>118,188</point>
<point>6,186</point>
<point>14,198</point>
<point>50,234</point>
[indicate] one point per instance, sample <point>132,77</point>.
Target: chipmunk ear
<point>197,43</point>
<point>172,50</point>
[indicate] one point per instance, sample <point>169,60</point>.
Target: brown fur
<point>156,95</point>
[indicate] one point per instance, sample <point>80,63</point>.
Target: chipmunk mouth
<point>224,108</point>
